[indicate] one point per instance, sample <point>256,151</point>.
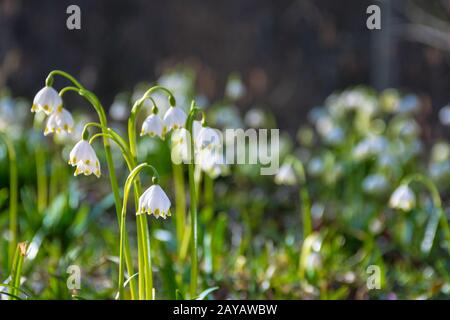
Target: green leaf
<point>178,295</point>
<point>205,293</point>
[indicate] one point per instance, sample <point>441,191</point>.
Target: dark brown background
<point>291,54</point>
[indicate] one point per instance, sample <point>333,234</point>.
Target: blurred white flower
<point>352,100</point>
<point>440,152</point>
<point>255,118</point>
<point>324,125</point>
<point>226,116</point>
<point>47,100</point>
<point>154,201</point>
<point>180,143</point>
<point>316,166</point>
<point>211,161</point>
<point>84,158</point>
<point>410,128</point>
<point>174,118</point>
<point>208,138</point>
<point>153,126</point>
<point>13,115</point>
<point>440,171</point>
<point>286,175</point>
<point>59,121</point>
<point>389,99</point>
<point>314,261</point>
<point>410,103</point>
<point>119,110</point>
<point>316,113</point>
<point>444,115</point>
<point>234,89</point>
<point>370,146</point>
<point>335,136</point>
<point>403,198</point>
<point>375,183</point>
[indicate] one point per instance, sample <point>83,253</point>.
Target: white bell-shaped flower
<point>47,100</point>
<point>286,175</point>
<point>154,201</point>
<point>174,118</point>
<point>59,121</point>
<point>208,138</point>
<point>84,158</point>
<point>403,198</point>
<point>211,161</point>
<point>180,143</point>
<point>153,126</point>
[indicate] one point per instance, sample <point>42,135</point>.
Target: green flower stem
<point>304,196</point>
<point>180,201</point>
<point>209,197</point>
<point>49,80</point>
<point>41,175</point>
<point>13,191</point>
<point>123,149</point>
<point>128,184</point>
<point>437,203</point>
<point>16,269</point>
<point>142,224</point>
<point>109,160</point>
<point>193,204</point>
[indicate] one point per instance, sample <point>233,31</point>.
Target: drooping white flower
<point>180,143</point>
<point>180,146</point>
<point>211,161</point>
<point>153,126</point>
<point>403,198</point>
<point>207,138</point>
<point>84,158</point>
<point>59,121</point>
<point>234,89</point>
<point>47,100</point>
<point>174,118</point>
<point>154,201</point>
<point>286,175</point>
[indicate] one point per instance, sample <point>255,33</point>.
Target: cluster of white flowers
<point>207,141</point>
<point>60,120</point>
<point>49,101</point>
<point>154,200</point>
<point>153,125</point>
